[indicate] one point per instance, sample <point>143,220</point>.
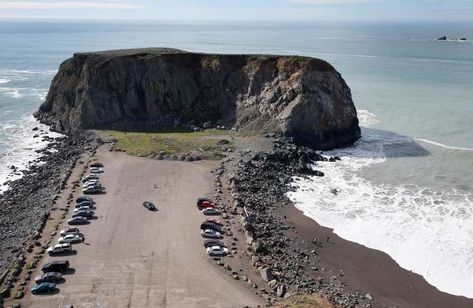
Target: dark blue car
<point>43,288</point>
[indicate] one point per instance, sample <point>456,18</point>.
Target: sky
<point>237,10</point>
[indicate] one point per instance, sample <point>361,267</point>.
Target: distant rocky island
<point>159,88</point>
<point>446,38</point>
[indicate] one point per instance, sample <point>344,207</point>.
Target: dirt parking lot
<point>132,257</point>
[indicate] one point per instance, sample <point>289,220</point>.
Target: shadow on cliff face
<point>158,89</point>
<point>377,143</point>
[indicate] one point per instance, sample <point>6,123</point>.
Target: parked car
<point>56,266</point>
<point>96,170</point>
<point>213,242</point>
<point>70,230</point>
<point>210,225</point>
<point>85,198</point>
<point>80,220</point>
<point>60,248</point>
<point>80,207</point>
<point>92,183</point>
<point>48,277</point>
<point>208,233</point>
<point>43,288</point>
<point>206,204</point>
<point>210,211</point>
<point>149,205</point>
<point>90,177</point>
<point>71,238</point>
<point>93,190</point>
<point>83,213</point>
<point>84,203</point>
<point>97,165</point>
<point>202,200</point>
<point>217,251</point>
<point>215,221</point>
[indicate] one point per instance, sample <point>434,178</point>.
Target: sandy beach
<point>370,270</point>
<point>132,257</point>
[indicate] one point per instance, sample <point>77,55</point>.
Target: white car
<point>86,207</point>
<point>96,170</point>
<point>59,249</point>
<point>217,251</point>
<point>83,208</point>
<point>93,190</point>
<point>90,177</point>
<point>208,233</point>
<point>71,238</point>
<point>91,183</point>
<point>71,230</point>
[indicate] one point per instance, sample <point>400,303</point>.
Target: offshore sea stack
<point>158,89</point>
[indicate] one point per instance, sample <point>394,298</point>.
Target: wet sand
<point>370,270</point>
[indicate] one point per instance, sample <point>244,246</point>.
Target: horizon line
<point>54,19</point>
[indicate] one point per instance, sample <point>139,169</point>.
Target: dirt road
<point>136,258</point>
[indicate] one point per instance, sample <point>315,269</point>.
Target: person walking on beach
<point>328,239</point>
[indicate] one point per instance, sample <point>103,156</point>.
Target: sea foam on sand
<point>426,231</point>
<point>22,146</point>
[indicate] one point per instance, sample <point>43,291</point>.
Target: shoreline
<point>338,267</point>
<point>280,237</point>
<point>28,203</point>
<point>372,270</point>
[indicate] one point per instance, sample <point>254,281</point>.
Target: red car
<point>203,203</point>
<point>215,221</point>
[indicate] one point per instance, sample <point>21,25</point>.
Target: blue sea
<point>405,188</point>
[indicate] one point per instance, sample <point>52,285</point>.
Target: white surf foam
<point>443,145</point>
<point>3,81</point>
<point>428,232</point>
<point>24,92</point>
<point>21,147</point>
<point>366,118</point>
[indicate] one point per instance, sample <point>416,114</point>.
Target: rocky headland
<point>158,89</point>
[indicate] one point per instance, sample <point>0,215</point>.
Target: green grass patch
<point>169,142</point>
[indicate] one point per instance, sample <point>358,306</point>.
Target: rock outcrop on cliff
<point>153,89</point>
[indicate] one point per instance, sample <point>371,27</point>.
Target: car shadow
<point>61,281</point>
<point>70,271</point>
<point>56,291</point>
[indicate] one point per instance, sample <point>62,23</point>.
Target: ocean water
<point>405,188</point>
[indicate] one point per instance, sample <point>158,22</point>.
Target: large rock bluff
<point>150,89</point>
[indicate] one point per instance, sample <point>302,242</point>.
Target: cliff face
<point>149,89</point>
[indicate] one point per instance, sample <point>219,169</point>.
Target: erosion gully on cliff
<point>156,89</point>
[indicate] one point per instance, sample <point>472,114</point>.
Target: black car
<point>85,198</point>
<point>49,277</point>
<point>149,205</point>
<point>213,242</point>
<point>85,203</point>
<point>56,266</point>
<point>97,165</point>
<point>210,225</point>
